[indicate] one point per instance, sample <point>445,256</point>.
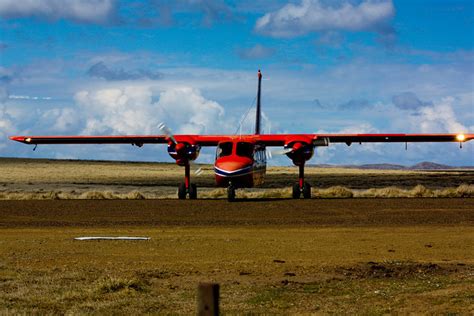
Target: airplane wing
<point>267,139</point>
<point>137,140</point>
<point>326,139</point>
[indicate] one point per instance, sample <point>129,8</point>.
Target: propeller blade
<point>278,152</point>
<point>167,131</point>
<point>198,171</point>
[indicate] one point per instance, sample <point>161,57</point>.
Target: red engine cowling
<point>183,152</point>
<point>300,152</point>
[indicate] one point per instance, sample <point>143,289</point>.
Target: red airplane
<point>241,160</point>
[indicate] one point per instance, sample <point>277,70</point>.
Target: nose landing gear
<point>301,187</point>
<point>230,193</point>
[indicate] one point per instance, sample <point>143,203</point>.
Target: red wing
<point>136,140</point>
<point>203,140</point>
<point>282,139</point>
<point>394,138</point>
<point>268,139</point>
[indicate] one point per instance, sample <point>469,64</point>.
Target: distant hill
<point>425,165</point>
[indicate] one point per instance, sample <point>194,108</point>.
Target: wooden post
<point>208,299</point>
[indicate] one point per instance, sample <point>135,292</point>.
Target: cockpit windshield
<point>245,149</point>
<point>224,149</point>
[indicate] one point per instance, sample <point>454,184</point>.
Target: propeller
<point>167,131</point>
<point>278,152</point>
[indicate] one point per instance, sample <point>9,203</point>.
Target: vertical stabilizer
<point>258,116</point>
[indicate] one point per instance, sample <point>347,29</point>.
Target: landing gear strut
<point>230,193</point>
<point>301,187</point>
<point>187,188</point>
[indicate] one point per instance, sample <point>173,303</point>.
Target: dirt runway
<point>316,212</point>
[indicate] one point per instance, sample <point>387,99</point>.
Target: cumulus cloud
<point>256,52</point>
<point>7,127</point>
<point>83,11</point>
<point>131,110</point>
<point>316,16</point>
<point>191,112</point>
<point>439,117</point>
<point>101,70</point>
<point>408,101</point>
<point>61,120</point>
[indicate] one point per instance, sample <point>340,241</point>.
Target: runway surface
<point>316,212</point>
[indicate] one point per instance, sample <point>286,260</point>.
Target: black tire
<point>182,191</point>
<point>307,190</point>
<point>296,191</point>
<point>230,193</point>
<point>193,191</point>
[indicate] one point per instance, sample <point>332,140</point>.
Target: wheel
<point>296,191</point>
<point>182,191</point>
<point>193,191</point>
<point>307,190</point>
<point>231,193</point>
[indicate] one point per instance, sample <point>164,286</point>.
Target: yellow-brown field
<point>62,179</point>
<point>365,256</point>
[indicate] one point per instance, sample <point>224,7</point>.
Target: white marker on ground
<point>112,238</point>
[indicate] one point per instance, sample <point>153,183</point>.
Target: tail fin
<point>257,119</point>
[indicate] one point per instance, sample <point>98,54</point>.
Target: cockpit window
<point>245,149</point>
<point>224,149</point>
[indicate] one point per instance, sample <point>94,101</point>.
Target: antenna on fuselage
<point>257,117</point>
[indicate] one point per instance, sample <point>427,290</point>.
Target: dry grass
<point>221,193</point>
<point>46,174</point>
<point>406,270</point>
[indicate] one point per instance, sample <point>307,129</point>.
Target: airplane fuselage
<point>241,163</point>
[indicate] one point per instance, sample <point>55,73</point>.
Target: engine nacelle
<point>183,152</point>
<point>300,152</point>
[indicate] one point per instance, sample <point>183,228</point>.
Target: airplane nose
<point>232,168</point>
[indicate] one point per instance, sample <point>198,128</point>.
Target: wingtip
<point>18,138</point>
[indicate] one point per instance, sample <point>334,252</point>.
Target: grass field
<point>50,179</point>
<point>274,256</point>
<point>335,256</point>
<point>337,270</point>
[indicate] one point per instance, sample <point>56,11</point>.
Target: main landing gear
<point>187,188</point>
<point>301,187</point>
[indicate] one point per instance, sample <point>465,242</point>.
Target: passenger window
<point>245,149</point>
<point>224,149</point>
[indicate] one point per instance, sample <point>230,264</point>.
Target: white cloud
<point>28,97</point>
<point>315,16</point>
<point>6,127</point>
<point>187,99</point>
<point>191,112</point>
<point>86,11</point>
<point>63,120</point>
<point>130,110</point>
<point>438,118</point>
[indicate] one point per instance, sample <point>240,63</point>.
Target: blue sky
<point>121,67</point>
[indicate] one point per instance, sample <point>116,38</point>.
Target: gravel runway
<point>316,212</point>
